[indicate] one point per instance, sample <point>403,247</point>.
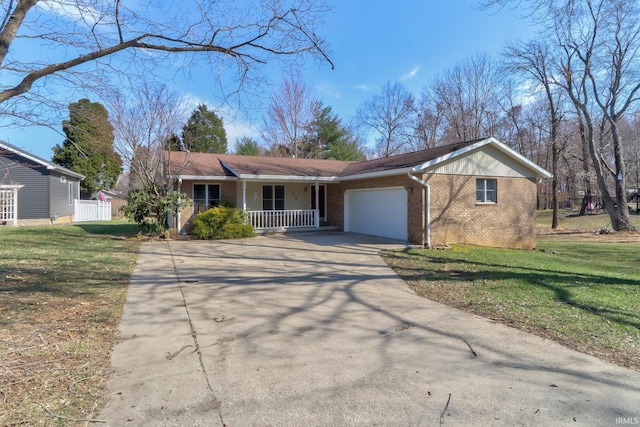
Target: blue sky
<point>371,42</point>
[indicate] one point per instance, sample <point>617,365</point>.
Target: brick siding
<point>227,193</point>
<point>455,216</point>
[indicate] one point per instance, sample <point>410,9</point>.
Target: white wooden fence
<point>91,210</point>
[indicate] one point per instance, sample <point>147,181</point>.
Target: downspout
<point>427,203</point>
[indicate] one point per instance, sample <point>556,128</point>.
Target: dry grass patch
<point>62,291</point>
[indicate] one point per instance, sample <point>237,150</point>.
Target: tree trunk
<point>554,183</point>
<point>619,212</point>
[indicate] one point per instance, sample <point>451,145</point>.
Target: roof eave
<point>378,174</point>
<point>206,178</point>
<point>48,165</point>
<point>258,177</point>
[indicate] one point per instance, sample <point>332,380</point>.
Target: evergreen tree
<point>173,143</point>
<point>328,138</point>
<point>204,132</point>
<point>246,146</point>
<point>88,147</point>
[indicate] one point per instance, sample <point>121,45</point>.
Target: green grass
<point>584,294</point>
<point>62,290</point>
<point>568,220</point>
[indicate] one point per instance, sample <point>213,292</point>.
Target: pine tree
<point>204,132</point>
<point>88,146</point>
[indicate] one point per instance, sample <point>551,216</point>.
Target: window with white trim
<point>70,191</point>
<point>273,198</point>
<point>205,196</point>
<point>486,190</point>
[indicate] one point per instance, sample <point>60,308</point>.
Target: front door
<point>321,201</point>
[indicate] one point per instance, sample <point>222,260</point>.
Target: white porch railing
<point>91,210</point>
<point>284,219</point>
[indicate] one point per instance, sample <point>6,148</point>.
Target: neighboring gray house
<point>44,191</point>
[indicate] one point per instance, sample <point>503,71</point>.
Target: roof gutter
<point>378,174</point>
<point>252,177</point>
<point>427,207</point>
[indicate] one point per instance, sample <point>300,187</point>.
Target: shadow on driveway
<point>315,329</point>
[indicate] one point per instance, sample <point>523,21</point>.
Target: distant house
<point>480,192</point>
<point>116,198</point>
<point>44,191</point>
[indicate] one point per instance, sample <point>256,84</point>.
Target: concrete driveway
<point>316,330</point>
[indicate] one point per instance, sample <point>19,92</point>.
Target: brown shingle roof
<point>402,161</point>
<point>251,165</point>
<point>207,164</point>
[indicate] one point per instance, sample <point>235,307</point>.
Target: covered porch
<point>283,206</point>
<point>271,205</point>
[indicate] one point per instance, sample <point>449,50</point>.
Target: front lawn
<point>62,290</point>
<point>583,294</point>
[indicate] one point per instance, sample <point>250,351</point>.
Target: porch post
<point>179,185</point>
<point>244,195</point>
<point>317,212</point>
<point>244,202</point>
<point>15,206</point>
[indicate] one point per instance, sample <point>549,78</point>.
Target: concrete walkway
<point>316,330</point>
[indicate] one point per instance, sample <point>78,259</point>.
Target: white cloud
<point>362,87</point>
<point>72,12</point>
<point>190,102</point>
<point>237,129</point>
<point>411,74</point>
<point>329,91</point>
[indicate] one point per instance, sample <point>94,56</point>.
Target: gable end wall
<point>456,218</point>
<point>33,198</point>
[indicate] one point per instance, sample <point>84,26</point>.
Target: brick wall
<point>335,201</point>
<point>455,216</point>
<point>227,193</point>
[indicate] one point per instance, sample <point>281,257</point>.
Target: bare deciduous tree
<point>428,125</point>
<point>533,60</point>
<point>289,113</point>
<point>86,39</point>
<point>597,43</point>
<point>143,121</point>
<point>467,97</point>
<point>390,114</point>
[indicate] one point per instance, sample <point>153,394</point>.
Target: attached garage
<point>378,212</point>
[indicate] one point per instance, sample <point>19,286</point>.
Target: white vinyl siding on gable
<point>486,161</point>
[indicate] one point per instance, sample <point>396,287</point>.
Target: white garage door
<point>379,212</point>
